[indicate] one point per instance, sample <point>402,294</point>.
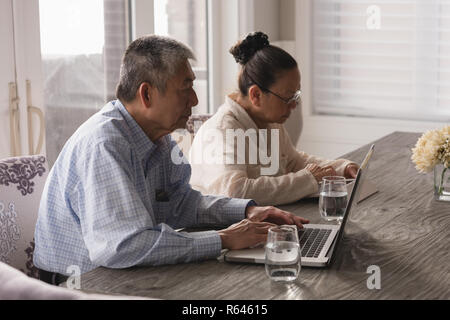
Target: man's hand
<point>253,230</point>
<point>244,234</point>
<point>320,172</point>
<point>274,215</point>
<point>351,170</point>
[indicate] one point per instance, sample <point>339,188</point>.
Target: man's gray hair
<point>153,59</point>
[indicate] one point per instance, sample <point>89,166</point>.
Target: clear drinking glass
<point>283,255</point>
<point>333,198</point>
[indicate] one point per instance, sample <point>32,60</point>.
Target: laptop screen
<point>360,177</point>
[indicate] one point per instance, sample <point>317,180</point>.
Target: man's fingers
<point>263,229</point>
<point>300,222</point>
<point>263,225</point>
<point>266,224</point>
<point>278,217</point>
<point>293,219</point>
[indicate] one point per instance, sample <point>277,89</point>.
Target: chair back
<point>195,121</point>
<point>22,180</point>
<point>183,137</point>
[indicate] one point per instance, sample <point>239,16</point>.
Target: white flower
<point>444,153</point>
<point>432,148</point>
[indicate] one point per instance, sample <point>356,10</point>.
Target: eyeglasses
<point>297,97</point>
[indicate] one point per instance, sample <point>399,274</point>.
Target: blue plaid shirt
<point>113,198</point>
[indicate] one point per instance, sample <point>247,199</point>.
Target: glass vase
<point>441,183</point>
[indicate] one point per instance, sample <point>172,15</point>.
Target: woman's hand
<point>351,170</point>
<point>320,172</point>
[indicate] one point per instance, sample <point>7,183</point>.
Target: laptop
<point>318,242</point>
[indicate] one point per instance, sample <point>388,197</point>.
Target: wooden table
<point>401,229</point>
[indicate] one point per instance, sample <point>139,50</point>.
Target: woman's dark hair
<point>261,62</point>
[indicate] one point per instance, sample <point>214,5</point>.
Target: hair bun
<point>245,49</point>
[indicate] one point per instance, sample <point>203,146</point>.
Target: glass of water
<point>333,198</point>
<point>283,255</point>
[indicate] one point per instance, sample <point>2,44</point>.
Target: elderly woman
<point>244,150</point>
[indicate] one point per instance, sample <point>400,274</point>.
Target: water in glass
<point>333,198</point>
<point>283,255</point>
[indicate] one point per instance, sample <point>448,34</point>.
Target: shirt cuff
<point>251,203</point>
<point>236,210</point>
<point>207,245</point>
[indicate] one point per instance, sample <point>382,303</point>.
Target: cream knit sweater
<point>216,169</point>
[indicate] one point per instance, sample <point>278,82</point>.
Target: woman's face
<point>274,109</point>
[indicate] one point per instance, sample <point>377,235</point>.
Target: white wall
<point>287,20</point>
<point>267,18</point>
<point>276,18</point>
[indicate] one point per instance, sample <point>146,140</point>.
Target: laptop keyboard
<point>312,241</point>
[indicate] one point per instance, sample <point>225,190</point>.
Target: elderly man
<point>114,197</point>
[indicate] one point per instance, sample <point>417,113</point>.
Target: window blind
<point>388,59</point>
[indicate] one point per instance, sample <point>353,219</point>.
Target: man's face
<point>174,107</point>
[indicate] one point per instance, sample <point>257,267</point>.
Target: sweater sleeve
<point>265,190</point>
<point>298,160</point>
<point>231,178</point>
<point>214,174</point>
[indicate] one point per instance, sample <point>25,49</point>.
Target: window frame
<point>142,23</point>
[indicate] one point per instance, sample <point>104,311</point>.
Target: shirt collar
<point>144,146</point>
<point>241,115</point>
<point>244,118</point>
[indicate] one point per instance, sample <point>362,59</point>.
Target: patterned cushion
<point>183,137</point>
<point>195,121</point>
<point>22,180</point>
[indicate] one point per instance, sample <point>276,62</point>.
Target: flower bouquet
<point>432,151</point>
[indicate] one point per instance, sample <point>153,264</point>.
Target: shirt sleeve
<point>192,208</point>
<point>119,230</point>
